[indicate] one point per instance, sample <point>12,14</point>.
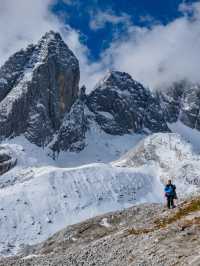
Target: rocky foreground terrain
<point>146,234</point>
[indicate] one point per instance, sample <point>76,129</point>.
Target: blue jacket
<point>170,190</point>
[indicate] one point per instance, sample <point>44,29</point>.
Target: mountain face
<point>38,86</point>
<point>40,99</point>
<point>7,160</point>
<point>181,102</point>
<point>72,131</point>
<point>122,105</point>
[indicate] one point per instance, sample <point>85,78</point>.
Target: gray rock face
<point>37,87</point>
<point>39,98</point>
<point>122,105</point>
<point>190,109</point>
<point>171,101</point>
<point>11,71</point>
<point>182,102</point>
<point>71,134</point>
<point>7,161</point>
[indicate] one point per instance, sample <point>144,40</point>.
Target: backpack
<point>170,190</point>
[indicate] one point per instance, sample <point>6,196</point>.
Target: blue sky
<point>79,13</point>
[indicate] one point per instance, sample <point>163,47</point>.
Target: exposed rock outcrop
<point>7,160</point>
<point>71,134</point>
<point>38,86</point>
<point>181,102</point>
<point>122,105</point>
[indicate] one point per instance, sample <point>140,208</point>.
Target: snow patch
<point>190,134</point>
<point>106,114</point>
<point>104,222</point>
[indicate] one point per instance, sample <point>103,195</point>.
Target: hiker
<point>170,193</point>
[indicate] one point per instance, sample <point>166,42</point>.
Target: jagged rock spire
<point>38,86</point>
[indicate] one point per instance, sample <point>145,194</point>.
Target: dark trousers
<point>170,202</point>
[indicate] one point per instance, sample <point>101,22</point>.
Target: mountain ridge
<point>39,86</point>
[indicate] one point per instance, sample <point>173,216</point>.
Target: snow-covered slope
<point>38,197</point>
<point>168,156</point>
<point>190,134</point>
<point>99,147</point>
<point>40,201</point>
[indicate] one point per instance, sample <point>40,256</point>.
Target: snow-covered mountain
<point>167,156</point>
<point>122,105</point>
<point>40,99</point>
<point>66,155</point>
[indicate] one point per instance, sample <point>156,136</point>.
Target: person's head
<point>169,182</point>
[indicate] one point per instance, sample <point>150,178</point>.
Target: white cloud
<point>91,72</point>
<point>24,21</point>
<point>156,56</point>
<point>162,54</point>
<point>99,19</point>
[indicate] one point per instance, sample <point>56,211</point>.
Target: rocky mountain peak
<point>38,86</point>
<point>51,36</point>
<point>119,80</point>
<point>116,76</point>
<point>122,105</point>
<point>40,98</point>
<point>52,45</point>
